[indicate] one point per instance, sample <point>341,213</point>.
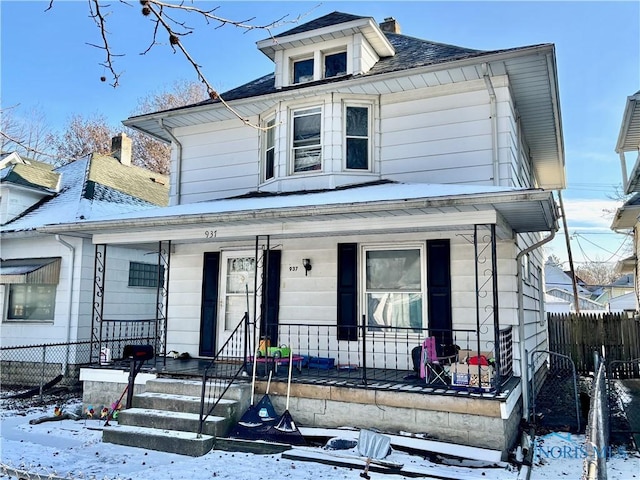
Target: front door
<point>238,270</point>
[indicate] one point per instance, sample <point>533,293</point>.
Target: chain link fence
<point>624,401</point>
<point>40,367</point>
<point>556,396</point>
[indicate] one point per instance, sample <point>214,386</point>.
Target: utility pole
<point>576,300</point>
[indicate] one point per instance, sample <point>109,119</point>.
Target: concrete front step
<point>240,391</point>
<point>163,440</point>
<point>184,403</point>
<point>163,419</point>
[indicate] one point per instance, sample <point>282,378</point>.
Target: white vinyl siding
<point>218,160</point>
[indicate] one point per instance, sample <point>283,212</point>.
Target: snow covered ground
<point>74,449</point>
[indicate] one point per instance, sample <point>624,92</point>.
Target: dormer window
<point>303,70</point>
<point>335,64</point>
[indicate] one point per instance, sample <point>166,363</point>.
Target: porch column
<point>162,300</point>
<point>496,311</point>
<point>99,271</point>
<point>486,280</point>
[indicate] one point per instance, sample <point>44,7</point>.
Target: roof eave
<point>367,26</point>
<point>630,118</point>
<point>540,200</point>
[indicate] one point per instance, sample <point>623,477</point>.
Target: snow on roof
<point>355,195</point>
<point>70,204</point>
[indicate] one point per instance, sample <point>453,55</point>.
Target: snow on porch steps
<point>163,419</point>
<point>172,441</point>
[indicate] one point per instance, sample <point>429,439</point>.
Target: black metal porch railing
<point>116,334</point>
<point>225,367</point>
<point>387,354</point>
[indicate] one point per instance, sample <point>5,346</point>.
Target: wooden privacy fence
<point>580,335</point>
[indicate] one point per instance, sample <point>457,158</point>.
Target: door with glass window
<point>238,270</point>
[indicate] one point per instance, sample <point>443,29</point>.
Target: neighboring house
<point>623,303</point>
<point>396,189</point>
<point>622,285</point>
<point>626,217</point>
<point>558,284</point>
<point>553,304</point>
<point>46,281</point>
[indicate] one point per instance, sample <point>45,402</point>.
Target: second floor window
<point>335,64</point>
<point>269,149</point>
<point>303,70</point>
<point>357,138</point>
<point>306,148</point>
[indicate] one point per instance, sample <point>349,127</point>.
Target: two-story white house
<point>46,281</point>
<point>626,217</point>
<point>381,189</point>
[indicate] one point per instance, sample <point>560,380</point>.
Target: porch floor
<point>376,378</point>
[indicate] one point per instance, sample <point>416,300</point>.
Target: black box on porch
<point>321,363</point>
<point>139,353</point>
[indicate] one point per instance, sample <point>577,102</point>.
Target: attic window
<point>303,70</point>
<point>335,64</point>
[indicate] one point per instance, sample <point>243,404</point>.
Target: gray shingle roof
<point>411,53</point>
<point>333,18</point>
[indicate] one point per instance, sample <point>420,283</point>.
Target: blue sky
<point>47,63</point>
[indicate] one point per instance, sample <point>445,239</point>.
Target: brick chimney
<point>121,148</point>
<point>390,25</point>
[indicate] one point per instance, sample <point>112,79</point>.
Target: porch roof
<point>392,206</point>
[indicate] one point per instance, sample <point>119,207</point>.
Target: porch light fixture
<point>306,263</point>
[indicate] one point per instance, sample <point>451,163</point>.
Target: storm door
<point>238,270</point>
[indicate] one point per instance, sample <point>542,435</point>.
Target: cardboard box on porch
<point>465,374</point>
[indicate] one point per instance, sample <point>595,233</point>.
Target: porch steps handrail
<point>221,386</point>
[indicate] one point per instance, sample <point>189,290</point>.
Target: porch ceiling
<point>328,213</point>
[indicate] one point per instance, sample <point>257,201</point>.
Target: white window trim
<point>333,51</point>
<point>362,277</point>
<point>263,147</point>
<point>318,56</point>
<point>369,105</point>
<point>292,71</point>
<point>24,321</point>
<point>290,150</point>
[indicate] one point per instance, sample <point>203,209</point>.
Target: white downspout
<point>178,173</point>
<point>72,260</point>
<point>524,361</point>
<point>494,124</point>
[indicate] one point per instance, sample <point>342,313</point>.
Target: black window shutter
<point>347,291</point>
<point>439,290</point>
<point>271,296</point>
<point>209,311</point>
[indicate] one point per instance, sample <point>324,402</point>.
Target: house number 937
<point>210,233</point>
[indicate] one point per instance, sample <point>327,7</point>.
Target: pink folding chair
<point>430,368</point>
